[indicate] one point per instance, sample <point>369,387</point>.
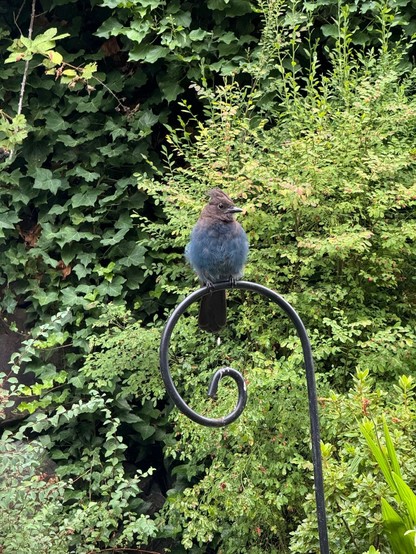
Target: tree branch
<point>26,70</point>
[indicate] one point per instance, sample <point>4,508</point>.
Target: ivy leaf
<point>124,221</point>
<point>110,28</point>
<point>70,297</point>
<point>87,197</point>
<point>45,297</point>
<point>8,219</point>
<point>330,30</point>
<point>88,70</point>
<point>110,238</point>
<point>88,176</point>
<point>112,288</point>
<point>135,257</point>
<point>146,120</point>
<point>148,53</point>
<point>80,270</point>
<point>67,140</point>
<point>198,34</point>
<point>71,234</point>
<point>55,57</point>
<point>54,121</point>
<point>44,180</point>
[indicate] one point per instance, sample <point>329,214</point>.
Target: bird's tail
<point>213,311</point>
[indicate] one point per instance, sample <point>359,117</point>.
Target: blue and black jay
<point>217,252</point>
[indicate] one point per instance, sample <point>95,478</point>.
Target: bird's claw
<point>209,285</point>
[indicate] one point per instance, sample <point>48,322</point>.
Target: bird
<point>217,251</point>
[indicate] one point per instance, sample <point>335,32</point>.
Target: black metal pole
<point>242,392</point>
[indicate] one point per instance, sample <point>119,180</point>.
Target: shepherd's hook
<point>242,392</point>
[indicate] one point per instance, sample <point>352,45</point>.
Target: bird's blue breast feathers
<point>218,251</point>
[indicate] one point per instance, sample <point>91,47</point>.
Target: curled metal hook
<point>218,375</point>
<point>242,393</point>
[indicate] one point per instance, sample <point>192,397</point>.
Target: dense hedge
<point>130,111</point>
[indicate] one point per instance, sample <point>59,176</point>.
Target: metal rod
<point>242,392</point>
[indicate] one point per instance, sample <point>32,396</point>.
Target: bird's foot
<point>232,281</point>
<point>209,285</point>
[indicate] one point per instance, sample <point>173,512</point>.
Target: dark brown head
<point>220,206</point>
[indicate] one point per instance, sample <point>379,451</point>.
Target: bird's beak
<point>233,210</point>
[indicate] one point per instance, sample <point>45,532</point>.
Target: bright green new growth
<point>400,527</point>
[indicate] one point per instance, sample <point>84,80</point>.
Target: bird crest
<point>217,194</point>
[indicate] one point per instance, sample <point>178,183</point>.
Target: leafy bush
<point>400,527</point>
<point>354,483</point>
<point>245,481</point>
<point>321,159</point>
<point>31,500</point>
<point>105,436</point>
<point>86,89</point>
<point>82,101</point>
<point>328,194</point>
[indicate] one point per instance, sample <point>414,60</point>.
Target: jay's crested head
<point>220,206</point>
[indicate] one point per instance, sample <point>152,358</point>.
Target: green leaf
<point>44,181</point>
<point>8,219</point>
<point>144,429</point>
<point>407,496</point>
<point>148,53</point>
<point>70,234</point>
<point>110,238</point>
<point>55,122</point>
<point>70,297</point>
<point>146,120</point>
<point>391,450</point>
<point>378,454</point>
<point>395,529</point>
<point>330,30</point>
<point>113,287</point>
<point>135,257</point>
<point>87,197</point>
<point>80,271</point>
<point>198,34</point>
<point>87,176</point>
<point>44,298</point>
<point>88,70</point>
<point>56,57</point>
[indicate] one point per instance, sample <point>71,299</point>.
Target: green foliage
<point>353,483</point>
<point>320,154</point>
<point>13,130</point>
<point>81,106</point>
<point>327,188</point>
<point>101,429</point>
<point>44,44</point>
<point>264,455</point>
<point>31,501</point>
<point>82,101</point>
<point>329,197</point>
<point>399,528</point>
<point>179,42</point>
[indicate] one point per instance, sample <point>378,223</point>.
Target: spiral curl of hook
<point>216,378</point>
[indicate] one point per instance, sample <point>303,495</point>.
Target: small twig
<point>351,534</point>
<point>108,89</point>
<point>16,17</point>
<point>26,70</point>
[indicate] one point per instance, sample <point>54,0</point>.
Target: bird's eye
<point>221,205</point>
